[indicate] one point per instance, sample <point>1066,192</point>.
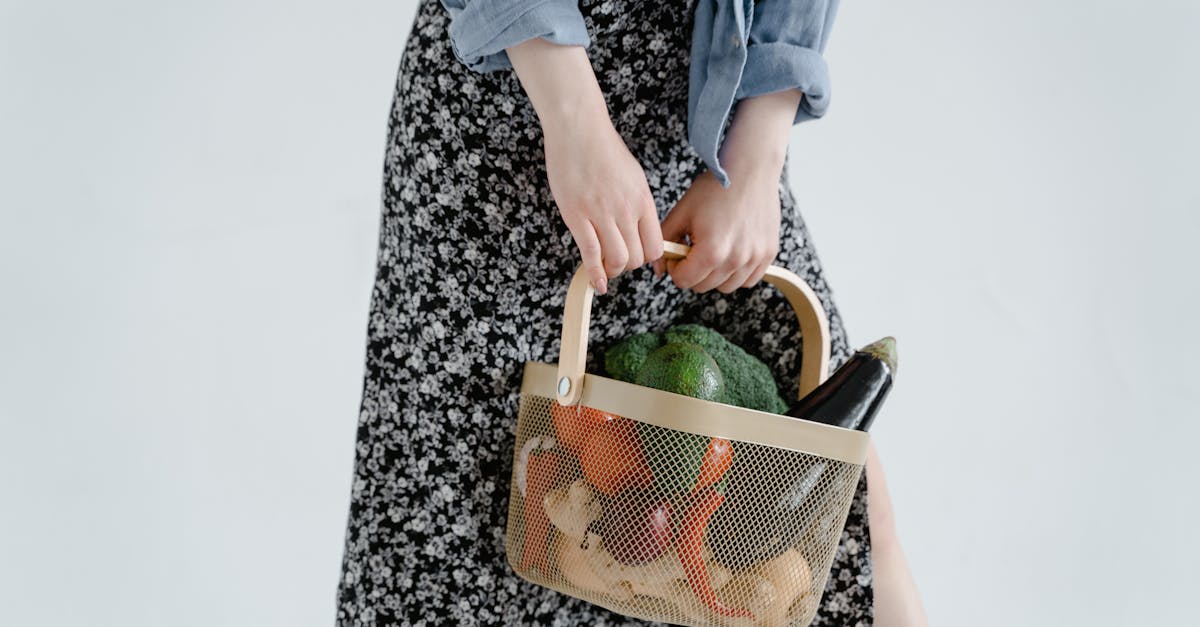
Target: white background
<point>189,202</point>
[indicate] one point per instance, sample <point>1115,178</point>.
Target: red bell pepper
<point>540,476</point>
<point>691,538</point>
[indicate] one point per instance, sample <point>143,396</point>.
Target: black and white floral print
<point>473,265</point>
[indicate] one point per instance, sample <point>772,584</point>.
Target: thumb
<point>675,227</point>
<point>677,223</point>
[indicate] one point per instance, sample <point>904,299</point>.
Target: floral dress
<point>473,264</point>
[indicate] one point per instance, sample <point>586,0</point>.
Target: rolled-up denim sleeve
<point>785,50</point>
<point>480,30</point>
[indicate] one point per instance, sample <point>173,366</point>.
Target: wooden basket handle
<point>577,314</point>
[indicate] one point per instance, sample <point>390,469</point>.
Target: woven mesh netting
<point>671,526</point>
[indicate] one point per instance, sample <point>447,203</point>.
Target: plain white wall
<point>189,201</point>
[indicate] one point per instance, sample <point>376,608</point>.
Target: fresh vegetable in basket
<point>772,588</point>
<point>696,361</point>
<point>585,560</point>
<point>685,369</point>
<point>718,457</point>
<point>636,526</point>
<point>853,395</point>
<point>575,424</point>
<point>781,514</point>
<point>850,398</point>
<point>623,360</point>
<point>612,458</point>
<point>607,446</point>
<point>747,381</point>
<point>691,538</point>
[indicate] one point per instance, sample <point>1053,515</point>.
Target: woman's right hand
<point>602,194</point>
<point>598,185</point>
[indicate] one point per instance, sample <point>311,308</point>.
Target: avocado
<point>748,381</point>
<point>682,368</point>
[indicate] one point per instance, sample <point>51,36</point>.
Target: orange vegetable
<point>690,543</point>
<point>612,458</point>
<point>574,424</point>
<point>717,459</point>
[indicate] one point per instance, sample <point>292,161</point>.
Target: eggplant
<point>783,511</point>
<point>854,394</point>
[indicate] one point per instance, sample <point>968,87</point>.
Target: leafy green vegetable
<point>623,359</point>
<point>748,381</point>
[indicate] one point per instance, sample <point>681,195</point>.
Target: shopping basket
<point>671,508</point>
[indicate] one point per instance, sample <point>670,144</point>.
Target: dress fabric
<point>473,264</point>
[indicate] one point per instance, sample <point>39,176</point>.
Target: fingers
<point>633,245</point>
<point>649,230</point>
<point>737,278</point>
<point>590,251</point>
<point>696,267</point>
<point>756,275</point>
<point>724,268</point>
<point>614,245</point>
<point>614,253</point>
<point>689,272</point>
<point>723,271</point>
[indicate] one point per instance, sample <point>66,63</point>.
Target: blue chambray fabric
<point>480,30</point>
<point>740,49</point>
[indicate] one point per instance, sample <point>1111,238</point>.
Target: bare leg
<point>897,602</point>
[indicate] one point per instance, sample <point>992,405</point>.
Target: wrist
<point>757,140</point>
<point>573,113</point>
<point>754,161</point>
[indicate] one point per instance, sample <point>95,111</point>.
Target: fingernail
<point>602,287</point>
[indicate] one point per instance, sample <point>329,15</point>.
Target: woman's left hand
<point>734,231</point>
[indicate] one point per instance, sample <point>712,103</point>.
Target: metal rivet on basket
<point>564,386</point>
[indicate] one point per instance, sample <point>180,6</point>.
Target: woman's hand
<point>598,185</point>
<point>734,231</point>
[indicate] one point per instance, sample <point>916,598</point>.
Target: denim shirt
<point>740,49</point>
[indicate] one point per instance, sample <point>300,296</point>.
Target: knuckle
<point>707,257</point>
<point>588,246</point>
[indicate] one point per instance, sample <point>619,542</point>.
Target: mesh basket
<point>671,508</point>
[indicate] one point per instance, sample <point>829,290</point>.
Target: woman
<point>620,106</point>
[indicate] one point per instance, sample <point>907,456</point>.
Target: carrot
<point>691,539</point>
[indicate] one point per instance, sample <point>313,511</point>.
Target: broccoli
<point>748,381</point>
<point>623,359</point>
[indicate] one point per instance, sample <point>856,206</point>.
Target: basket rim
<point>701,417</point>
